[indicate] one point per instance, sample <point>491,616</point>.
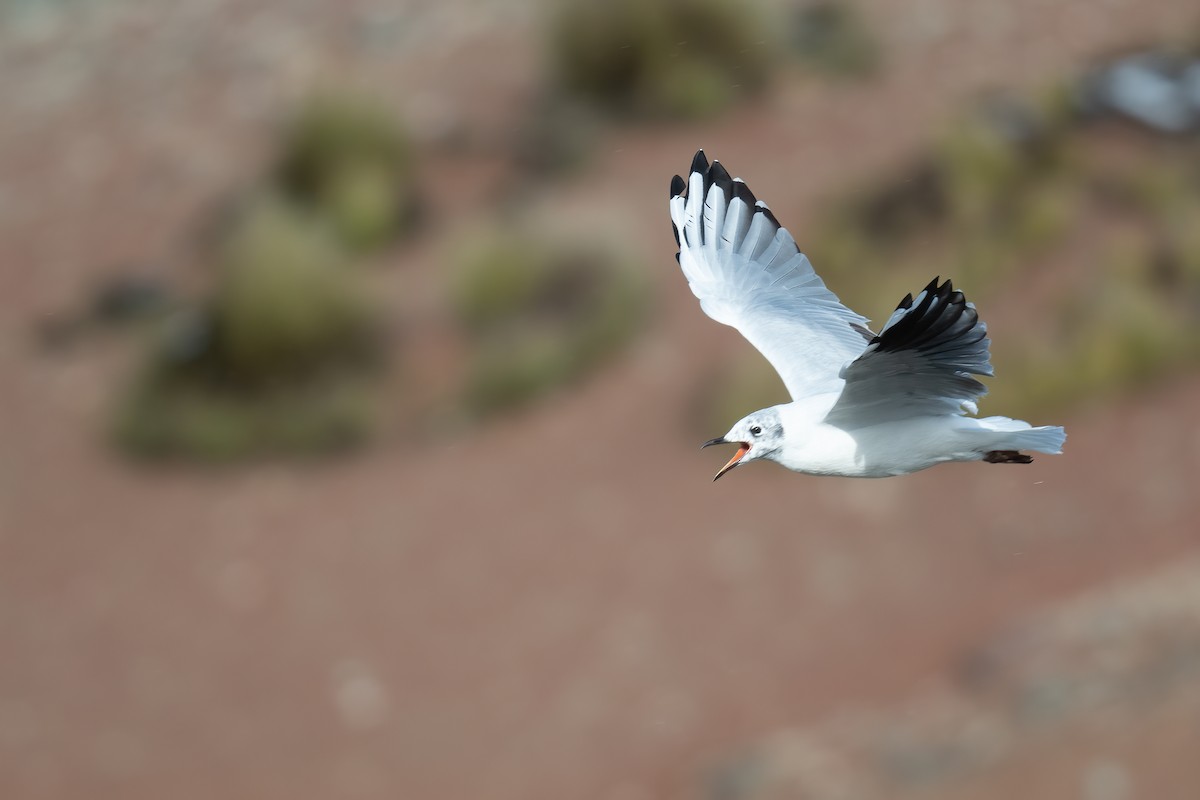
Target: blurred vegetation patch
<point>170,414</point>
<point>831,37</point>
<point>660,58</point>
<point>998,187</point>
<point>118,302</point>
<point>538,314</point>
<point>284,305</point>
<point>276,361</point>
<point>281,358</point>
<point>1136,319</point>
<point>348,160</point>
<point>556,135</point>
<point>1010,192</point>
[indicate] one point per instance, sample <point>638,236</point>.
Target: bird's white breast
<point>879,451</point>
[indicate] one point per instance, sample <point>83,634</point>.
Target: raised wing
<point>920,364</point>
<point>749,274</point>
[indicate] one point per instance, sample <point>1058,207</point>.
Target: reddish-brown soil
<point>561,604</point>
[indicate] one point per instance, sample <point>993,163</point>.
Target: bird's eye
<point>756,429</point>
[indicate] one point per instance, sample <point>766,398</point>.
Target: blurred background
<point>351,402</point>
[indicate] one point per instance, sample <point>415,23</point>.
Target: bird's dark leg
<point>1006,457</point>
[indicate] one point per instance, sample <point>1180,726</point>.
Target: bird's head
<point>758,435</point>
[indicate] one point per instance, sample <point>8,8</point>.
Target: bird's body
<point>894,448</point>
<point>863,404</point>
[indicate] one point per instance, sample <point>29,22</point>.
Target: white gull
<point>864,405</point>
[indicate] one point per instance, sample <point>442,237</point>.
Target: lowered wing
<point>920,364</point>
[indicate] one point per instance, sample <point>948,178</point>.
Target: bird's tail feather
<point>1020,435</point>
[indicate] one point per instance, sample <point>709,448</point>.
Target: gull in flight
<point>864,404</point>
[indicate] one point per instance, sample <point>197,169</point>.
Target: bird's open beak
<point>743,448</point>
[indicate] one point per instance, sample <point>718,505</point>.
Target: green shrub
<point>497,278</point>
<point>1120,339</point>
<point>831,37</point>
<point>277,361</point>
<point>364,205</point>
<point>348,160</point>
<point>172,414</point>
<point>1183,238</point>
<point>982,172</point>
<point>508,371</point>
<point>1044,216</point>
<point>556,135</point>
<point>538,315</point>
<point>285,303</point>
<point>665,58</point>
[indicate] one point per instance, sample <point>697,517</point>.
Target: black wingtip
<point>715,174</point>
<point>938,312</point>
<point>743,193</point>
<point>721,178</point>
<point>678,186</point>
<point>1007,457</point>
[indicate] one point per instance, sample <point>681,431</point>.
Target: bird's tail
<point>1014,434</point>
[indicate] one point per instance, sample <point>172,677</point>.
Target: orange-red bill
<point>743,448</point>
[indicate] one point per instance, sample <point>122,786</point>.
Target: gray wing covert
<point>920,364</point>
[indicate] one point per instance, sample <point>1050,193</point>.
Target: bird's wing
<point>920,364</point>
<point>749,274</point>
